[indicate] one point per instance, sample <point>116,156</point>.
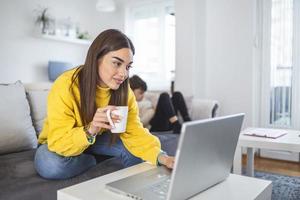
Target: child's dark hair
<point>137,83</point>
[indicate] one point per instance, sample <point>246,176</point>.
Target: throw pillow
<point>16,130</point>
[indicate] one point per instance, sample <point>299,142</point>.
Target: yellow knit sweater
<point>63,128</point>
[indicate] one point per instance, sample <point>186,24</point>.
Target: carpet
<point>284,187</point>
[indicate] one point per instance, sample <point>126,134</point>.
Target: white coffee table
<point>235,187</point>
<point>288,142</point>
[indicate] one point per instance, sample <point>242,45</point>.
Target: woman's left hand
<point>166,160</point>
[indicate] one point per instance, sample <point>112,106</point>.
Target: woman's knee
<point>46,164</point>
<point>53,166</point>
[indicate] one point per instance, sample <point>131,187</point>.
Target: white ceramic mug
<point>118,127</point>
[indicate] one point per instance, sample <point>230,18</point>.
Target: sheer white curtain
<point>280,75</point>
<point>281,62</point>
<point>151,26</point>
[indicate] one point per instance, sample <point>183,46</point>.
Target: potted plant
<point>43,19</point>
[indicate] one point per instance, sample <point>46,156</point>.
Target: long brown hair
<point>88,78</point>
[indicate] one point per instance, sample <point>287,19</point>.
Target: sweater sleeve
<point>66,136</point>
<point>138,140</point>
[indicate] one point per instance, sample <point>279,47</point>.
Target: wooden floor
<point>275,166</point>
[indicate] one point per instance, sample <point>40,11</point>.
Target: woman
<point>76,126</point>
<point>163,116</point>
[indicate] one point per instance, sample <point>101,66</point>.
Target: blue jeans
<point>53,166</point>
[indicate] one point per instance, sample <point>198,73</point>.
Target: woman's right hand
<point>100,120</point>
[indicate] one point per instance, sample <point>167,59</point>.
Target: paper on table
<point>267,133</point>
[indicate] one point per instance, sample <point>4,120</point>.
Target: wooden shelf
<point>66,39</point>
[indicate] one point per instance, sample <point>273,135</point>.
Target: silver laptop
<point>204,158</point>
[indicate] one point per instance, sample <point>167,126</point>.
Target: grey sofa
<point>18,178</point>
<point>20,181</point>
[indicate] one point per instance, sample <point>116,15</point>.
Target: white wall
<point>23,56</point>
<point>229,55</point>
<point>224,65</point>
<point>190,47</point>
<point>213,45</point>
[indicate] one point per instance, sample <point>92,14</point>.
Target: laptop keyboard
<point>161,188</point>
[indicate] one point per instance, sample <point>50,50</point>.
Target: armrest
<point>204,108</point>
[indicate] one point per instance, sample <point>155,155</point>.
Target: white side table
<point>235,187</point>
<point>288,142</point>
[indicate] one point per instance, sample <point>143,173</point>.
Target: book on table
<point>264,132</point>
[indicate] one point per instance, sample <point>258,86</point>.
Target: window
<point>151,26</point>
<point>280,77</point>
<point>281,62</point>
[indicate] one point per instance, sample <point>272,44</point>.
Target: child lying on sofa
<point>163,116</point>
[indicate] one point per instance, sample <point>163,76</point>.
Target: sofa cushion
<point>19,179</point>
<point>16,130</point>
<point>38,105</point>
<point>152,96</point>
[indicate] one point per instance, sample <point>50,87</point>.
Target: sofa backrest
<point>35,107</point>
<point>198,108</point>
<point>37,94</point>
<point>40,86</point>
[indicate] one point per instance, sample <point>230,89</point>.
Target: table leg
<point>237,162</point>
<point>250,162</point>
